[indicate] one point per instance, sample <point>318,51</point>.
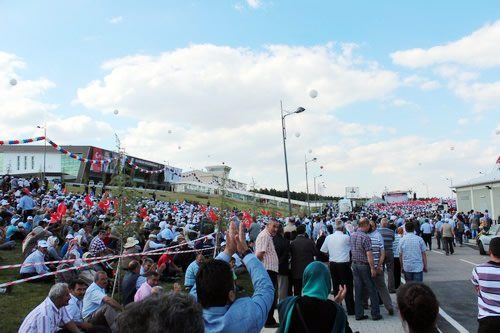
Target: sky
<point>408,92</point>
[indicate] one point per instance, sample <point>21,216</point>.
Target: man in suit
<point>303,251</point>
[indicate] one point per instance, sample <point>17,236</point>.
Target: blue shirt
<point>439,225</point>
<point>35,257</point>
<point>377,246</point>
<point>92,300</point>
<point>11,230</point>
<point>190,278</point>
<point>166,234</point>
<point>246,314</point>
<point>426,228</point>
<point>26,203</point>
<point>411,248</point>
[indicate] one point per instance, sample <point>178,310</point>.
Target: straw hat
<point>131,242</point>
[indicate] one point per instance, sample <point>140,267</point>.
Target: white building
<point>214,175</point>
<point>481,194</point>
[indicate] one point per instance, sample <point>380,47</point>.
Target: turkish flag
<point>88,201</point>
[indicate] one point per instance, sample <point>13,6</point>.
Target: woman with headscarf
<point>313,311</point>
<point>75,246</point>
<point>52,241</point>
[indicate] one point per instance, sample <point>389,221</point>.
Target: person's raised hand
<point>241,242</point>
<point>341,294</point>
<point>231,246</point>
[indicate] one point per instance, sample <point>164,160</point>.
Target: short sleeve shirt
<point>92,300</point>
<point>265,244</point>
<point>360,244</point>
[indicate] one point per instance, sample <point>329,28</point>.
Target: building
<point>481,194</point>
<point>29,160</point>
<point>214,175</point>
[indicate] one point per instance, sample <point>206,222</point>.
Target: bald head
<point>384,222</point>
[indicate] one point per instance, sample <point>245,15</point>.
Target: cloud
<point>23,108</point>
<point>235,86</point>
<point>463,121</point>
<point>399,102</point>
<point>254,3</point>
<point>116,20</point>
<point>422,82</point>
<point>480,49</point>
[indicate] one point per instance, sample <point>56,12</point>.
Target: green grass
<point>26,296</point>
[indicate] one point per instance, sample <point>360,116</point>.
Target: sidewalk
<point>389,324</point>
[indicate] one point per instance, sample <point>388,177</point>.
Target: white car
<point>484,240</point>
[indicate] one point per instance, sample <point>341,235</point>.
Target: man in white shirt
<point>338,247</point>
<point>75,305</point>
<point>34,264</point>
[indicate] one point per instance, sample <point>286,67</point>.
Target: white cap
<point>69,236</point>
<point>42,243</point>
<point>30,218</point>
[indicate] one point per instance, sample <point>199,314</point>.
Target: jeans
<point>460,237</point>
<point>414,276</point>
<point>474,233</point>
<point>363,279</point>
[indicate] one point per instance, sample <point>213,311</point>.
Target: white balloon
<point>116,112</point>
<point>169,131</point>
<point>297,134</point>
<point>179,147</point>
<point>310,151</point>
<point>13,82</point>
<point>452,148</point>
<point>208,156</point>
<point>313,93</point>
<point>498,131</point>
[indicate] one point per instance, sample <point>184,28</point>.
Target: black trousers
<point>45,279</point>
<point>448,245</point>
<point>297,287</point>
<point>274,279</point>
<point>489,325</point>
<point>341,274</point>
<point>428,240</point>
<point>397,273</point>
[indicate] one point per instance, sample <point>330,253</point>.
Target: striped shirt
<point>395,245</point>
<point>487,278</point>
<point>265,244</point>
<point>377,247</point>
<point>45,318</point>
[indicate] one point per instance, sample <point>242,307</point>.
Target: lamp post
<point>283,127</point>
<point>315,195</point>
<point>451,185</point>
<point>44,127</point>
<point>314,159</point>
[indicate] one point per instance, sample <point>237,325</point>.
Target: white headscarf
<point>53,241</point>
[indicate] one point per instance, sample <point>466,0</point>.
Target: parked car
<point>485,239</point>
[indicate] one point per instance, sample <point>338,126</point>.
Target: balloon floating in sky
<point>169,131</point>
<point>297,134</point>
<point>179,147</point>
<point>116,112</point>
<point>452,148</point>
<point>13,82</point>
<point>208,156</point>
<point>498,131</point>
<point>313,93</point>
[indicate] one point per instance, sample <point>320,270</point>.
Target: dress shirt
<point>246,314</point>
<point>265,244</point>
<point>45,318</point>
<point>74,308</point>
<point>190,278</point>
<point>360,244</point>
<point>92,300</point>
<point>26,203</point>
<point>426,228</point>
<point>35,257</point>
<point>411,247</point>
<point>143,292</point>
<point>338,247</point>
<point>439,225</point>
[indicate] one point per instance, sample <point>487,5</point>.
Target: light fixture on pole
<point>315,195</point>
<point>44,127</point>
<point>283,127</point>
<point>451,185</point>
<point>314,159</point>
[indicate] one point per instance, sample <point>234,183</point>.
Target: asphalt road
<point>449,278</point>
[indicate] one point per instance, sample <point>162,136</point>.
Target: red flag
<point>143,212</point>
<point>104,204</point>
<point>263,211</point>
<point>247,219</point>
<point>212,216</point>
<point>61,209</point>
<point>203,208</point>
<point>88,201</point>
<point>278,214</point>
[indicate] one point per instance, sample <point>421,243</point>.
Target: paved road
<point>449,278</point>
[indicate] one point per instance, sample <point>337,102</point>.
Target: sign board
<point>352,193</point>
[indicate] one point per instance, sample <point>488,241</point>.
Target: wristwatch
<point>243,255</point>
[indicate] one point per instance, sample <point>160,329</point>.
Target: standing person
<point>364,271</point>
<point>439,225</point>
<point>397,263</point>
<point>254,230</point>
<point>426,229</point>
<point>265,252</point>
<point>412,255</point>
<point>27,204</point>
<point>388,236</point>
<point>302,251</point>
<point>486,280</point>
<point>290,229</point>
<point>338,248</point>
<point>448,237</point>
<point>282,246</point>
<point>474,224</point>
<point>460,228</point>
<point>378,251</point>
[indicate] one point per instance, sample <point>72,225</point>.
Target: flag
<point>88,201</point>
<point>212,216</point>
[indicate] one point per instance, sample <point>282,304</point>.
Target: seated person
<point>313,311</point>
<point>147,267</point>
<point>173,312</point>
<point>167,269</point>
<point>48,316</point>
<point>129,281</point>
<point>146,288</point>
<point>190,277</point>
<point>52,242</point>
<point>35,264</point>
<point>214,290</point>
<point>5,244</point>
<point>67,276</point>
<point>98,308</point>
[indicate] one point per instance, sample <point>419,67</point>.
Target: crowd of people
<point>305,267</point>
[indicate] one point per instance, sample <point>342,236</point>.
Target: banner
<point>17,142</point>
<point>96,155</point>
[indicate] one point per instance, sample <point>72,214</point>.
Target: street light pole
<point>451,184</point>
<point>315,195</point>
<point>44,148</point>
<point>307,182</point>
<point>283,127</point>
